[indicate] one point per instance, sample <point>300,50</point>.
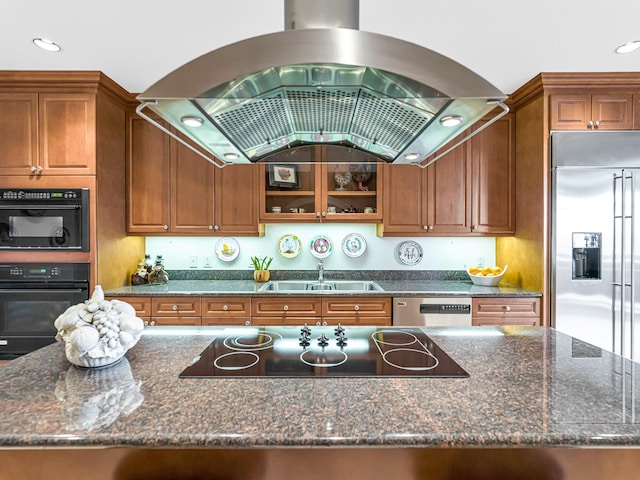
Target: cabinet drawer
<point>226,320</point>
<point>226,306</point>
<point>382,321</point>
<point>284,320</point>
<point>141,304</point>
<point>505,307</point>
<point>527,321</point>
<point>175,306</point>
<point>286,306</point>
<point>369,306</point>
<point>186,320</point>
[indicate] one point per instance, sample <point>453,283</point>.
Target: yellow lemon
<point>474,270</point>
<point>485,270</point>
<point>496,270</point>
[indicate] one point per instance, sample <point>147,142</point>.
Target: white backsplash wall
<point>441,253</point>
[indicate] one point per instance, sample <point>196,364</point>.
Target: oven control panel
<point>40,194</point>
<point>34,272</point>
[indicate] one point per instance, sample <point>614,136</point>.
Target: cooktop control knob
<point>305,330</point>
<point>339,329</point>
<point>342,339</point>
<point>323,341</point>
<point>304,341</point>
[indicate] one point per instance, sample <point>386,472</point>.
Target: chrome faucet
<point>320,271</point>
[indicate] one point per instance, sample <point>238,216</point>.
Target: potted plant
<point>261,268</point>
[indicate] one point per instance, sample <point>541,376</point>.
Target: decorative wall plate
<point>289,245</point>
<point>227,249</point>
<point>321,246</point>
<point>354,245</point>
<point>409,252</point>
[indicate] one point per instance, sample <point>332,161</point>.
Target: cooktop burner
<point>322,352</point>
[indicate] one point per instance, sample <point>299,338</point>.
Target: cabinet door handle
<point>225,307</point>
<point>285,308</point>
<point>174,308</point>
<point>356,307</point>
<point>166,227</point>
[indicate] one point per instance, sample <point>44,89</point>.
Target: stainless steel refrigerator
<point>595,242</point>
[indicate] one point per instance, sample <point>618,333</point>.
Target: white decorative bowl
<point>492,281</point>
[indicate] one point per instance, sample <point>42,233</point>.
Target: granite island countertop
<point>528,386</point>
<point>530,390</point>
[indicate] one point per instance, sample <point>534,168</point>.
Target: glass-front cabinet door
<point>330,183</point>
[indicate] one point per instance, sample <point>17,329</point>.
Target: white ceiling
<point>136,42</point>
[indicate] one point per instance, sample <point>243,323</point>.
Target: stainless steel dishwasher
<point>432,312</point>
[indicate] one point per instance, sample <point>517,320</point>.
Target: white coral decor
<point>98,332</point>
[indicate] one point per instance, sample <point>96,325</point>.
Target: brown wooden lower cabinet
<point>505,311</point>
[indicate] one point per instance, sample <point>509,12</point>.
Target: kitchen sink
<point>314,285</point>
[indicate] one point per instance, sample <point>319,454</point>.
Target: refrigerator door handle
<point>632,254</point>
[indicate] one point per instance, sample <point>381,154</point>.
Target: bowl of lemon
<point>486,276</point>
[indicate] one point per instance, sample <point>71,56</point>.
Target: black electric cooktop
<point>322,352</point>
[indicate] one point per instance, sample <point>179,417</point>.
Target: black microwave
<point>44,219</point>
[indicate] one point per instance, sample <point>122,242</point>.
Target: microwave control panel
<point>40,194</point>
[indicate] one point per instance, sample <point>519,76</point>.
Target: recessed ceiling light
<point>192,121</point>
<point>451,120</point>
<point>628,47</point>
<point>46,44</point>
<point>411,156</point>
<point>231,156</point>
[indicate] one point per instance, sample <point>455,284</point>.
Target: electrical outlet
<point>480,261</point>
<point>207,261</point>
<point>193,261</point>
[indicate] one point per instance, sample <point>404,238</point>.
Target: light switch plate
<point>193,261</point>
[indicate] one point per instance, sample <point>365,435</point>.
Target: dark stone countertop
<point>528,386</point>
<point>395,288</point>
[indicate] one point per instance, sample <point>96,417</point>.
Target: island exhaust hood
<point>321,81</point>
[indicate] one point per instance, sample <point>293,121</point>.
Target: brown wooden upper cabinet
<point>591,112</point>
<point>47,133</point>
<point>314,191</point>
<point>171,189</point>
<point>470,190</point>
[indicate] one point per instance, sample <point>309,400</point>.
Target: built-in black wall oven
<point>44,219</point>
<point>32,296</point>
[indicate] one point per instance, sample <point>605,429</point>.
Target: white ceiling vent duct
<point>321,81</point>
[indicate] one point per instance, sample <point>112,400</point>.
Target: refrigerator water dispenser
<point>586,256</point>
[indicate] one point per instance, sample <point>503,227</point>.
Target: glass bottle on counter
<point>139,277</point>
<point>148,264</point>
<point>158,276</point>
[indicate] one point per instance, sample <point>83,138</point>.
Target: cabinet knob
<point>356,307</point>
<point>210,227</point>
<point>318,214</point>
<point>146,323</point>
<point>425,227</point>
<point>247,323</point>
<point>166,227</point>
<point>430,227</point>
<point>33,169</point>
<point>285,308</point>
<point>225,307</point>
<point>174,308</point>
<point>39,169</point>
<point>596,123</point>
<point>216,227</point>
<point>152,323</point>
<point>507,308</point>
<point>324,214</point>
<point>589,124</point>
<point>475,227</point>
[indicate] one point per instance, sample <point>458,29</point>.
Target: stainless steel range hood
<point>321,81</point>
